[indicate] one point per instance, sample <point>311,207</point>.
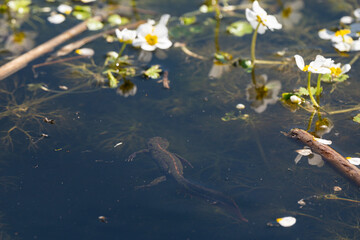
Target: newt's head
<point>158,141</point>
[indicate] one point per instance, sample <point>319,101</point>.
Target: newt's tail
<point>212,195</point>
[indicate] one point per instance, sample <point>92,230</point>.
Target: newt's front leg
<point>132,156</point>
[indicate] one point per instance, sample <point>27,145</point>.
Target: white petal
<point>251,16</point>
<point>257,9</point>
<point>304,152</point>
<point>354,161</point>
<point>85,52</point>
<point>118,33</point>
<point>273,23</point>
<point>145,46</point>
<point>355,46</point>
<point>326,34</point>
<point>63,8</point>
<point>240,106</point>
<point>342,47</point>
<point>164,43</point>
<point>160,31</point>
<point>286,221</point>
<point>138,41</point>
<point>298,158</point>
<point>56,18</point>
<point>323,141</point>
<point>346,20</point>
<point>357,13</point>
<point>262,29</point>
<point>164,19</point>
<point>345,68</point>
<point>144,29</point>
<point>299,62</point>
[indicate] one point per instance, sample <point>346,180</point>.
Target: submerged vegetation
<point>219,82</point>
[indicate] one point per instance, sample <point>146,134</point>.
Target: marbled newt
<point>171,165</point>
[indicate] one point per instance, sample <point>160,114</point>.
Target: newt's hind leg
<point>183,160</point>
<point>154,182</point>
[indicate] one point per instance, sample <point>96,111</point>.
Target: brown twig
<point>21,61</point>
<point>332,157</point>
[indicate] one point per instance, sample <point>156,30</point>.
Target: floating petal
<point>323,141</point>
<point>354,161</point>
<point>56,18</point>
<point>286,221</point>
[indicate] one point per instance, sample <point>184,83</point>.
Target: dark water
<point>59,189</point>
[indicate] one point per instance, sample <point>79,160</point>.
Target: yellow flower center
<point>305,69</point>
<point>259,19</point>
<point>151,39</point>
<point>286,12</point>
<point>342,32</point>
<point>335,71</point>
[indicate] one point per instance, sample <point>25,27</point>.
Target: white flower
<point>150,37</point>
<point>258,16</point>
<point>320,65</point>
<point>56,18</point>
<point>354,161</point>
<point>290,14</point>
<point>63,8</point>
<point>286,221</point>
<point>126,36</point>
<point>342,40</point>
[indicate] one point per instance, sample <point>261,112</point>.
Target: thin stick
<point>21,61</point>
<point>332,157</point>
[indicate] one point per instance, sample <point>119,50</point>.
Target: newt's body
<point>171,164</point>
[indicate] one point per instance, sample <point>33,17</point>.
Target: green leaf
<point>357,118</point>
<point>329,79</point>
<point>304,92</point>
<point>81,15</point>
<point>124,20</point>
<point>188,20</point>
<point>114,19</point>
<point>326,78</point>
<point>223,57</point>
<point>113,82</point>
<point>82,12</point>
<point>239,28</point>
<point>286,96</point>
<point>153,72</point>
<point>20,6</point>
